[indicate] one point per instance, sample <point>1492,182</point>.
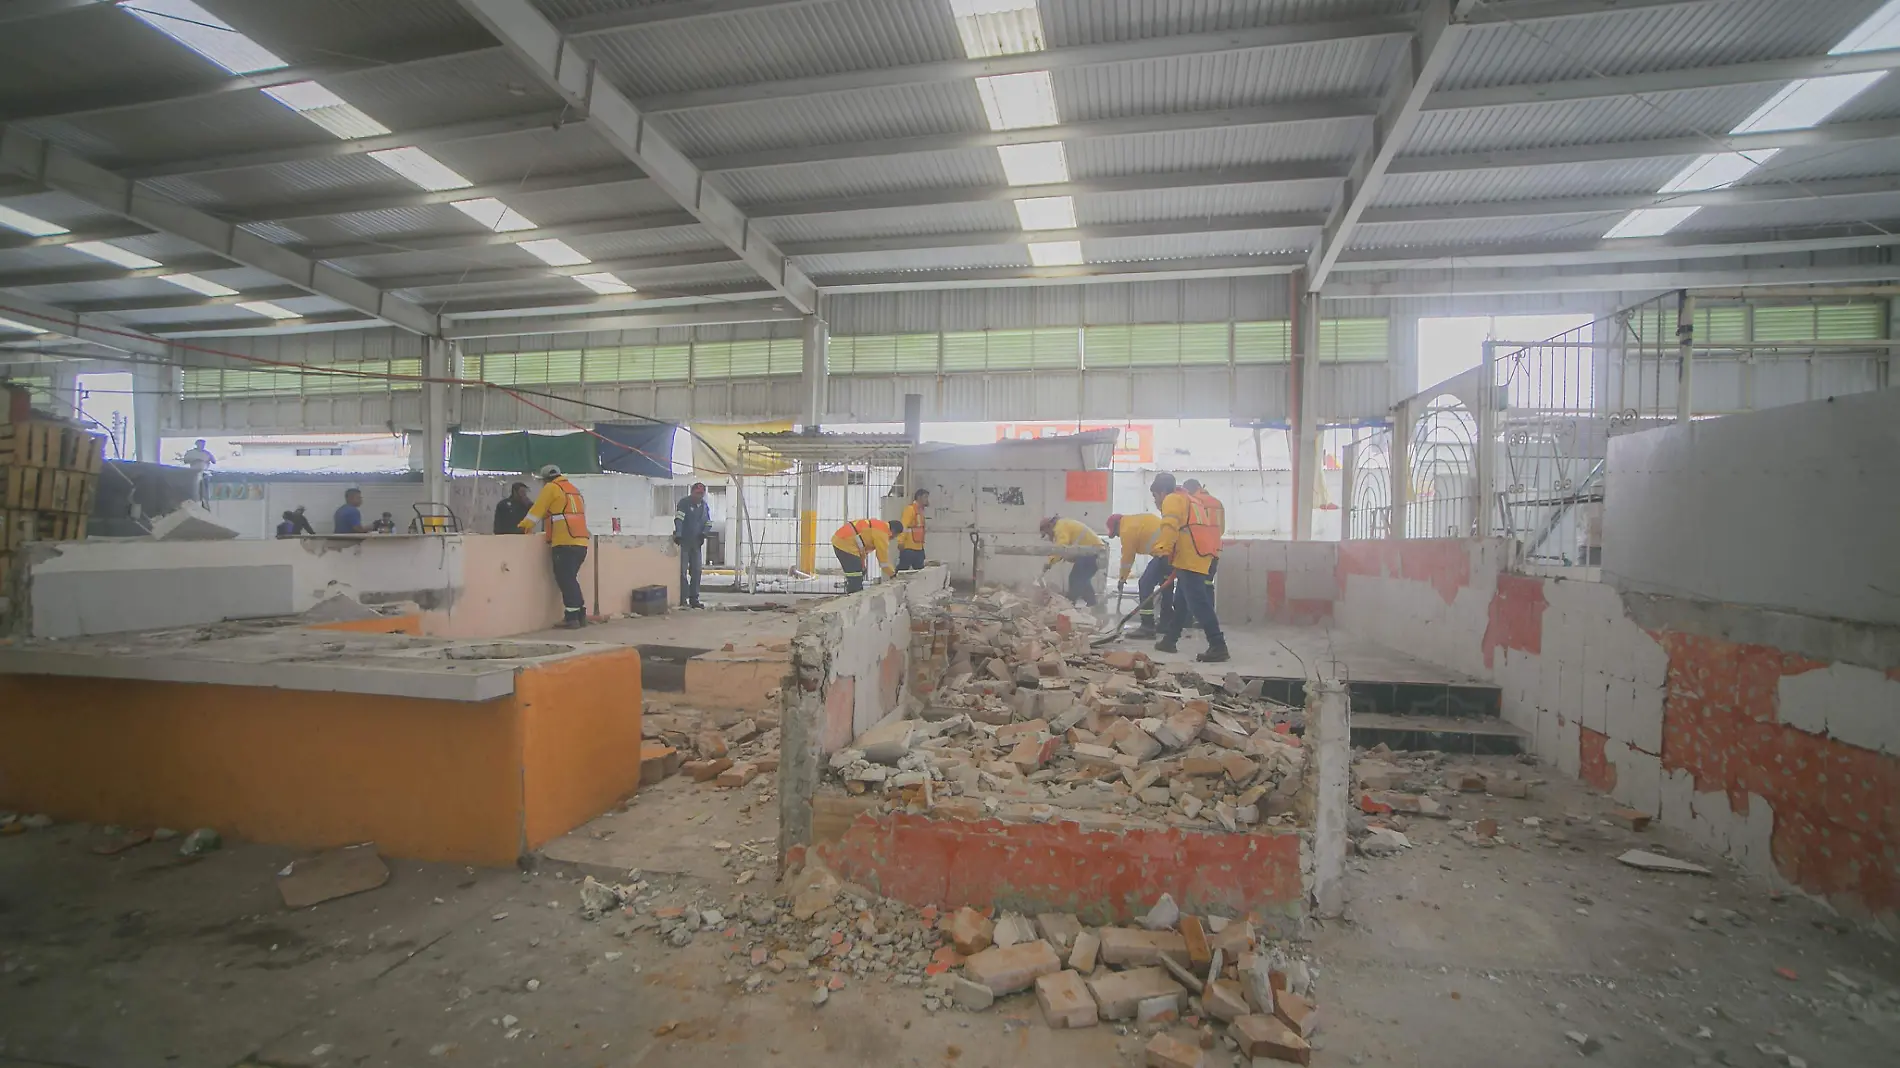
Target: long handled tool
<point>1116,633</point>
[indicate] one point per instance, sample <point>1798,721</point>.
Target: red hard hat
<point>1114,524</point>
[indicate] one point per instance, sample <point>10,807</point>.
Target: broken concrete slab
<point>1166,1051</point>
<point>330,875</point>
<point>1637,858</point>
<point>190,522</point>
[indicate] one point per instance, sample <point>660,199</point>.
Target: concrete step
<point>1459,700</point>
<point>1450,734</point>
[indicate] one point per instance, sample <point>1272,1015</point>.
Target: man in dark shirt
<point>513,509</point>
<point>302,521</point>
<point>288,528</point>
<point>691,523</point>
<point>349,518</point>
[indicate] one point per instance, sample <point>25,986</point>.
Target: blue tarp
<point>638,449</point>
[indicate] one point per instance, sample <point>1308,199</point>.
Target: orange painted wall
<point>580,740</point>
<point>475,783</point>
<point>434,780</point>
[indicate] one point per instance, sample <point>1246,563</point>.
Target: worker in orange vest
<point>1190,536</point>
<point>857,541</point>
<point>566,530</point>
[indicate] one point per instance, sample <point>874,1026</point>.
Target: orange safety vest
<point>571,513</point>
<point>1207,522</point>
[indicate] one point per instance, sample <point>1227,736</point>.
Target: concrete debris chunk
<point>970,931</point>
<point>1059,929</point>
<point>1088,945</point>
<point>1013,929</point>
<point>975,997</point>
<point>1119,994</point>
<point>1296,1012</point>
<point>1383,842</point>
<point>1224,1000</point>
<point>1166,1051</point>
<point>196,844</point>
<point>1266,1036</point>
<point>1065,1000</point>
<point>1006,970</point>
<point>1163,916</point>
<point>1125,946</point>
<point>190,522</point>
<point>1637,858</point>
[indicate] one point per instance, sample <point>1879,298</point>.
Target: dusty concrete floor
<point>1451,955</point>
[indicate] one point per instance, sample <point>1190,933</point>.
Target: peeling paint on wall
<point>1593,766</point>
<point>1517,616</point>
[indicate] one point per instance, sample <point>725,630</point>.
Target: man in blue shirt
<point>349,518</point>
<point>692,522</point>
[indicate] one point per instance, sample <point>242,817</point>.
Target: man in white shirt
<point>199,459</point>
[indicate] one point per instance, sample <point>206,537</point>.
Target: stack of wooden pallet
<point>48,475</point>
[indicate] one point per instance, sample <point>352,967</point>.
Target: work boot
<point>1146,631</point>
<point>573,624</point>
<point>1167,645</point>
<point>1216,654</point>
<point>696,604</point>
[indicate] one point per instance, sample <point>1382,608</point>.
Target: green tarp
<point>524,453</point>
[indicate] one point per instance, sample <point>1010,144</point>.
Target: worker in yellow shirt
<point>1190,536</point>
<point>1137,534</point>
<point>566,529</point>
<point>1073,533</point>
<point>855,543</point>
<point>910,544</point>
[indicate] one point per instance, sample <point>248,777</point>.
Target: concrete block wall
<point>1772,737</point>
<point>1266,581</point>
<point>850,667</point>
<point>467,585</point>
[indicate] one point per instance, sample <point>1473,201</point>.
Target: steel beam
<point>95,329</point>
<point>1490,12</point>
<point>99,231</point>
<point>1765,193</point>
<point>401,244</point>
<point>714,314</point>
<point>1091,55</point>
<point>1265,115</point>
<point>1680,246</point>
<point>553,58</point>
<point>478,275</point>
<point>250,326</point>
<point>1655,148</point>
<point>566,302</point>
<point>1289,220</point>
<point>130,305</point>
<point>100,271</point>
<point>1666,81</point>
<point>1442,283</point>
<point>292,210</point>
<point>1084,274</point>
<point>1432,47</point>
<point>57,168</point>
<point>333,148</point>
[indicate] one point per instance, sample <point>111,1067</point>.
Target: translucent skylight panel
<point>554,252</point>
<point>603,283</point>
<point>1055,253</point>
<point>1018,101</point>
<point>198,284</point>
<point>1039,163</point>
<point>494,214</point>
<point>326,109</point>
<point>204,33</point>
<point>266,308</point>
<point>114,254</point>
<point>1046,213</point>
<point>421,168</point>
<point>998,27</point>
<point>29,225</point>
<point>1650,222</point>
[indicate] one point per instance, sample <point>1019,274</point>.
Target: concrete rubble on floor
<point>1031,723</point>
<point>817,931</point>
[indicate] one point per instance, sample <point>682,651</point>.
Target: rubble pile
<point>1391,788</point>
<point>728,751</point>
<point>1212,973</point>
<point>1030,723</point>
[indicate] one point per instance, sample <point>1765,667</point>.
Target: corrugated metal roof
<point>1879,207</point>
<point>1189,246</point>
<point>772,44</point>
<point>857,177</point>
<point>1854,160</point>
<point>1078,22</point>
<point>834,118</point>
<point>1233,146</point>
<point>45,62</point>
<point>916,260</point>
<point>1521,183</point>
<point>1478,231</point>
<point>1712,112</point>
<point>1200,202</point>
<point>1649,39</point>
<point>323,178</point>
<point>1350,68</point>
<point>892,222</point>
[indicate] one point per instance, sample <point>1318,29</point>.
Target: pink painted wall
<point>507,586</point>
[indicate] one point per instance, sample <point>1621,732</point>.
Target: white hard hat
<point>549,471</point>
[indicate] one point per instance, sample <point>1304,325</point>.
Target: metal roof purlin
<point>1666,81</point>
<point>1188,44</point>
<point>1440,32</point>
<point>333,148</point>
<point>89,328</point>
<point>709,315</point>
<point>553,59</point>
<point>56,168</point>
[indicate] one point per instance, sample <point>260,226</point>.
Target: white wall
<point>254,517</point>
<point>1795,508</point>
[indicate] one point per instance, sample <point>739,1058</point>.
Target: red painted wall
<point>1836,806</point>
<point>1517,617</point>
<point>1443,562</point>
<point>1593,765</point>
<point>1100,875</point>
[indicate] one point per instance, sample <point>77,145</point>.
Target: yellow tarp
<point>725,437</point>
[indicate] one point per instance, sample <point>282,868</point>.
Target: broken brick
<point>702,770</point>
<point>1266,1036</point>
<point>1238,766</point>
<point>1161,1010</point>
<point>1059,928</point>
<point>1297,1013</point>
<point>1200,955</point>
<point>1065,1000</point>
<point>1119,994</point>
<point>1125,946</point>
<point>1234,939</point>
<point>1011,968</point>
<point>1014,730</point>
<point>1630,819</point>
<point>970,931</point>
<point>1166,1051</point>
<point>738,775</point>
<point>657,762</point>
<point>1033,752</point>
<point>1088,946</point>
<point>1485,828</point>
<point>1224,1000</point>
<point>710,745</point>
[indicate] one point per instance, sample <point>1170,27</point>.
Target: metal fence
<point>795,493</point>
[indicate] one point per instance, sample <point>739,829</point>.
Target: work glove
<point>1122,586</point>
